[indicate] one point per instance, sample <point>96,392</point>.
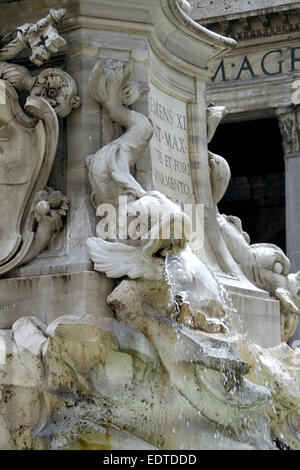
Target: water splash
<point>199,300</point>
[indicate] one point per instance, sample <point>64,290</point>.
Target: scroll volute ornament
<point>27,150</point>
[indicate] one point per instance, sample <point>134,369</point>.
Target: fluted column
<point>289,123</point>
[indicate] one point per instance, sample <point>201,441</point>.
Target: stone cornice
<point>174,36</point>
<point>257,24</point>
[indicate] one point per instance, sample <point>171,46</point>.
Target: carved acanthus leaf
<point>290,134</point>
<point>289,124</point>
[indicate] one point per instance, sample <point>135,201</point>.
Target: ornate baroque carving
<point>59,89</point>
<point>30,215</point>
<point>42,38</point>
<point>185,6</point>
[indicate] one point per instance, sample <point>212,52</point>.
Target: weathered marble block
<point>50,296</point>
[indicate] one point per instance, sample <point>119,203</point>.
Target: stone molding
<point>166,25</point>
<point>258,24</point>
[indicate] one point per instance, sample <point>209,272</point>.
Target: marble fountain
<point>133,314</point>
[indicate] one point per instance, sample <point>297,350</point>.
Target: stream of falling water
<point>192,282</point>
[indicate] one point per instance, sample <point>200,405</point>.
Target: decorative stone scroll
<point>31,212</point>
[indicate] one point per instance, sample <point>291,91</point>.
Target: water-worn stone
<point>279,369</point>
<point>95,371</point>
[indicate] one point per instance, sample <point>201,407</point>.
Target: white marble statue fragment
<point>31,215</point>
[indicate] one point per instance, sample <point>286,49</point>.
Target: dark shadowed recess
<point>256,193</point>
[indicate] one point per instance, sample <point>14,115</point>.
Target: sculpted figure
<point>28,145</point>
<point>111,177</point>
<point>268,268</point>
<point>264,264</point>
<point>110,169</point>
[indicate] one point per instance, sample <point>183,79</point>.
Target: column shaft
<point>289,122</point>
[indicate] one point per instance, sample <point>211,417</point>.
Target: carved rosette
<point>59,89</point>
<point>289,124</point>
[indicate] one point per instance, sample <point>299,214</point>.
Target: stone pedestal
<point>51,296</point>
<point>260,318</point>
